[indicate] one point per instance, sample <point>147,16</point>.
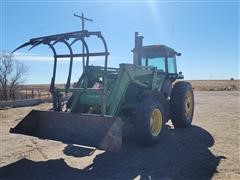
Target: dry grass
<point>199,85</point>
<point>216,85</point>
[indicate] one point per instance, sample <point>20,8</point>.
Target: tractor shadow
<point>181,154</point>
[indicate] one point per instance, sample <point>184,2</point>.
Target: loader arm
<point>128,73</point>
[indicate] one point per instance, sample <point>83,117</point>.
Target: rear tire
<point>150,121</point>
<point>182,105</point>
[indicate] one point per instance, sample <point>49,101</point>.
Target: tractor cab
<point>160,56</point>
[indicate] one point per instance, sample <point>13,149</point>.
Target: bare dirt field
<point>207,150</point>
<point>216,85</point>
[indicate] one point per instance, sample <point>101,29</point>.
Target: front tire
<point>150,121</point>
<point>182,105</point>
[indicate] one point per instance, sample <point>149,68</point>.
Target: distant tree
<point>12,75</point>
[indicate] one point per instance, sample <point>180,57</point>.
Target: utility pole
<point>83,19</point>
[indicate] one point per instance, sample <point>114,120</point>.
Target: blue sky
<point>206,33</point>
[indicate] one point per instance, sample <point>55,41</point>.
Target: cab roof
<point>158,50</point>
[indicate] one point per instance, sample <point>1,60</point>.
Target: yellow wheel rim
<point>156,122</point>
<point>188,104</point>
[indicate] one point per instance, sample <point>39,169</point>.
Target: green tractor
<point>104,99</point>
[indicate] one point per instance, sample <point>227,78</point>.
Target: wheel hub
<point>156,122</point>
<point>188,104</point>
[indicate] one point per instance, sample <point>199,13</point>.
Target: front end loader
<point>103,99</point>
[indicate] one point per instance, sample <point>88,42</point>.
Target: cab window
<point>171,65</point>
<point>158,62</point>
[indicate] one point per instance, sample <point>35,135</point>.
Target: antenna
<point>83,19</point>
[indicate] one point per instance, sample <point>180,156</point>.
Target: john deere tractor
<point>104,99</point>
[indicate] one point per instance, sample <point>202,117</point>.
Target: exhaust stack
<point>137,49</point>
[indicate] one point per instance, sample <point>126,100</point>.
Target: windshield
<point>158,62</point>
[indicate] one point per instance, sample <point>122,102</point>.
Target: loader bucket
<point>102,132</point>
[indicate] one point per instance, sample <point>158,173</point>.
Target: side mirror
<point>180,75</point>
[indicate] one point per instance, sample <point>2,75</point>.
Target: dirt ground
<point>208,150</point>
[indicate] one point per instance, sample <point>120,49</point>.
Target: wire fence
<point>29,93</point>
<point>25,93</point>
